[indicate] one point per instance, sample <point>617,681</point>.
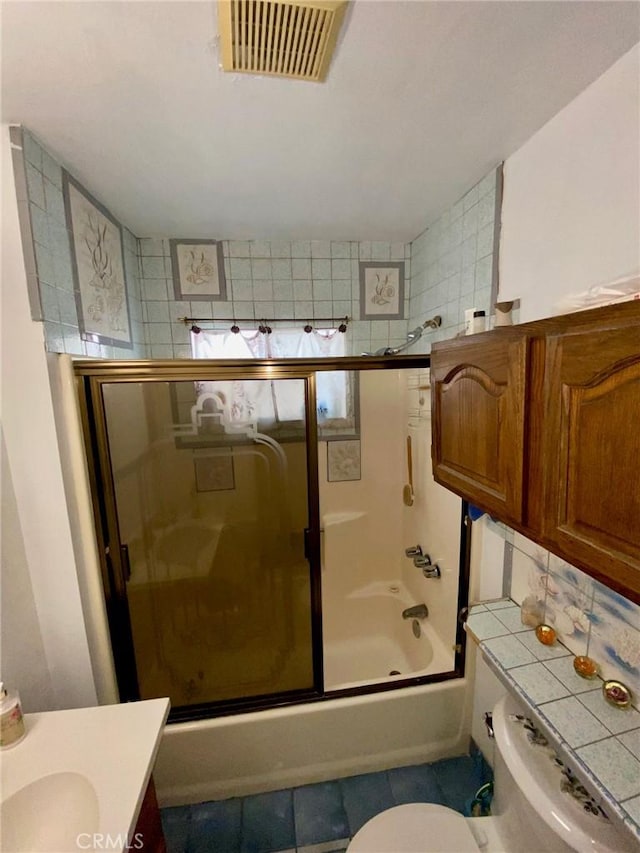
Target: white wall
<point>571,207</point>
<point>22,659</point>
<point>40,520</point>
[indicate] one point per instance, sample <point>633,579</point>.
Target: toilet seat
<point>415,828</point>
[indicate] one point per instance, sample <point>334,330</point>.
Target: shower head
<point>412,337</point>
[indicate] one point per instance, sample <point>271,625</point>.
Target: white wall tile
<point>320,249</point>
<point>301,249</point>
<point>280,249</point>
<point>260,249</point>
<point>239,249</point>
<point>340,250</point>
<point>281,268</point>
<point>261,269</point>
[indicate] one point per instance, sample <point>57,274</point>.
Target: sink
<point>77,780</point>
<point>48,815</point>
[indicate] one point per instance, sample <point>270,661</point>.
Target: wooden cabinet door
<point>592,451</point>
<point>478,420</point>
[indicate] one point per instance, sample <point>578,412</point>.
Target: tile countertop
<point>113,746</point>
<point>599,742</point>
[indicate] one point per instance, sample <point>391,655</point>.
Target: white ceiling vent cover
<point>286,39</point>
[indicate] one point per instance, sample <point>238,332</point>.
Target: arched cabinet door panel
<point>592,449</point>
<point>478,400</point>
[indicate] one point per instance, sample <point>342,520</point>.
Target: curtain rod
<point>187,320</point>
<point>263,326</point>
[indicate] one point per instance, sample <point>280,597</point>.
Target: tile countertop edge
<point>615,810</point>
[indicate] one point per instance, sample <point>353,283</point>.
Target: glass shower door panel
<point>211,510</point>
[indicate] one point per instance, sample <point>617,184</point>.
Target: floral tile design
<point>528,577</point>
<point>568,610</point>
<point>538,683</point>
<point>571,575</point>
<point>573,722</point>
<point>343,461</point>
<point>617,720</point>
<point>615,638</point>
<point>538,554</point>
<point>615,767</point>
<point>618,607</point>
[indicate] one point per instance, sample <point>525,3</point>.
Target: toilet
<point>529,812</point>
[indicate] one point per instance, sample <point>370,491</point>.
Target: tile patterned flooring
<point>319,818</point>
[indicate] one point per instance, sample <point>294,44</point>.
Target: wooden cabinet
<point>479,410</point>
<point>592,449</point>
<point>539,425</point>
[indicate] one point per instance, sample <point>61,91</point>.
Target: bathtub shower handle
<point>432,571</point>
<point>414,551</point>
<point>429,569</point>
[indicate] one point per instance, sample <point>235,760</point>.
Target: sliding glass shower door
<point>212,539</point>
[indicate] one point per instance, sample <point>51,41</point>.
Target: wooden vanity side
<point>479,403</point>
<point>148,831</point>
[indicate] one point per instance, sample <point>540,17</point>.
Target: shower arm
<point>412,337</point>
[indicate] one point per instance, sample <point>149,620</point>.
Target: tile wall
<point>589,618</point>
<point>52,250</point>
<point>453,263</point>
<point>297,281</point>
<point>448,268</point>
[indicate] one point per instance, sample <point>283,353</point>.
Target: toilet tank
<point>531,811</point>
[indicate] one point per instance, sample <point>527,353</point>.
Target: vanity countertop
<point>599,742</point>
<point>110,749</point>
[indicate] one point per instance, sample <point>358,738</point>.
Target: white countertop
<point>113,746</point>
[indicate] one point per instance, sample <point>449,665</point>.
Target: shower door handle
<point>309,540</point>
<point>126,565</point>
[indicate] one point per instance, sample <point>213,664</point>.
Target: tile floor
<point>318,818</point>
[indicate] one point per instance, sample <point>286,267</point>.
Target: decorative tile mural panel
<point>589,618</point>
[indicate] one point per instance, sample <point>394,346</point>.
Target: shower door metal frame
<point>92,374</point>
<point>91,377</point>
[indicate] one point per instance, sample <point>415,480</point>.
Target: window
<point>274,405</point>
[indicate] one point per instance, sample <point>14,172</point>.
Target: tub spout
<point>418,611</point>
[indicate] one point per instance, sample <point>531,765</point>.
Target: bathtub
<point>314,742</point>
<point>365,639</point>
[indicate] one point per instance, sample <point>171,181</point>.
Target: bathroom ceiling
<point>421,100</point>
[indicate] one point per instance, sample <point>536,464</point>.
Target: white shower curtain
<point>279,401</point>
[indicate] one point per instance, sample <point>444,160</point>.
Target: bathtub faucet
<point>418,611</point>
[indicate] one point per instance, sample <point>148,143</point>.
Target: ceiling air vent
<point>286,39</point>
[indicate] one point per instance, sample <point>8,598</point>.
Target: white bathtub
<point>297,745</point>
<point>365,638</point>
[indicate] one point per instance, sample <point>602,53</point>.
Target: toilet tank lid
<point>539,778</point>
